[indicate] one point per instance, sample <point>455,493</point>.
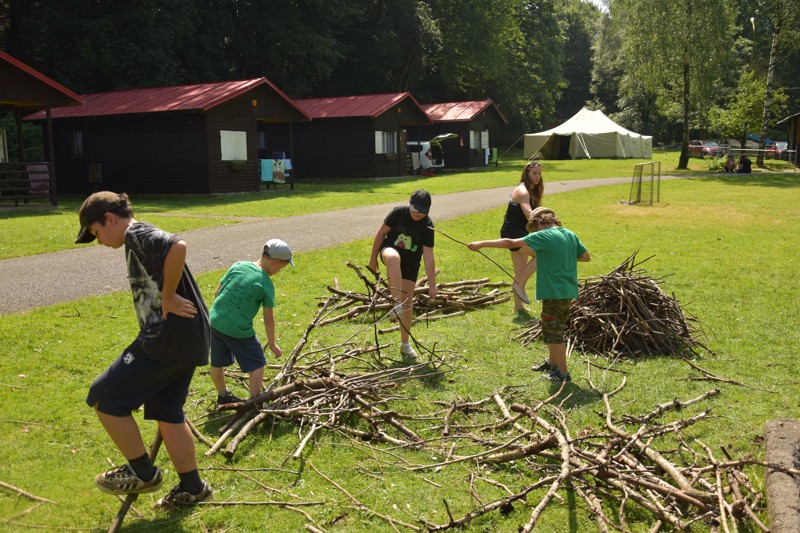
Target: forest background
<point>672,69</point>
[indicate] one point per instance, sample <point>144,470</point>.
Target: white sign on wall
<point>233,145</point>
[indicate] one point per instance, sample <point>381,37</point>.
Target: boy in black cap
<point>244,289</point>
<point>402,241</point>
<point>158,366</point>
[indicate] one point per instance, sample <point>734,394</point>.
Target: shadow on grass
<point>759,179</point>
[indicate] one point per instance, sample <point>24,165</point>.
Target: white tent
<point>588,134</point>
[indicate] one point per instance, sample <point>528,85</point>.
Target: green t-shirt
<point>557,252</point>
<point>244,289</point>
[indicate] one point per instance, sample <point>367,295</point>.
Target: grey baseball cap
<point>278,249</point>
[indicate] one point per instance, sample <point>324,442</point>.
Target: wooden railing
<point>26,182</point>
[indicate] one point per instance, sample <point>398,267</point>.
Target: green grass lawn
<point>724,243</point>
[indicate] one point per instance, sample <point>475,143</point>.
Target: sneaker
<point>544,366</point>
<point>555,375</point>
<point>178,497</point>
<point>227,397</point>
<point>123,480</point>
<point>520,292</point>
<point>407,351</point>
<point>396,313</point>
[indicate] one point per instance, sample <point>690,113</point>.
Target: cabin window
<point>77,143</point>
<point>479,139</point>
<point>262,140</point>
<point>385,142</point>
<point>233,145</point>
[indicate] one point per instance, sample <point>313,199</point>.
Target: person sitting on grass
<point>745,165</point>
<point>156,369</point>
<point>245,287</point>
<point>730,163</point>
<point>557,250</point>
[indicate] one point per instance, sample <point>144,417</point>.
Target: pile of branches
<point>626,312</point>
<point>627,466</point>
<point>320,388</point>
<point>650,468</point>
<point>453,299</point>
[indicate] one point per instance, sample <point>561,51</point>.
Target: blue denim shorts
<point>247,352</point>
<point>133,380</point>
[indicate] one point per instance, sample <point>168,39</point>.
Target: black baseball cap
<point>421,201</point>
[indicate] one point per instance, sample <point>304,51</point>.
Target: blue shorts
<point>133,380</point>
<point>247,352</point>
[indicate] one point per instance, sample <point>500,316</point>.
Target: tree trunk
<point>683,162</point>
<point>773,51</point>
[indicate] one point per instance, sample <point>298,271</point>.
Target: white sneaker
<point>407,351</point>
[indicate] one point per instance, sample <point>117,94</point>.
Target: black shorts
<point>133,380</point>
<point>512,232</point>
<point>409,266</point>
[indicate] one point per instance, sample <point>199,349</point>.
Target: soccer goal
<point>652,187</point>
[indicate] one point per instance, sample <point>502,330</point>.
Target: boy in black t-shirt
<point>157,368</point>
<point>402,241</point>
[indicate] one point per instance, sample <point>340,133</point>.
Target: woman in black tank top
<point>526,197</point>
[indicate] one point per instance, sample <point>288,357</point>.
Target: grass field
<point>724,243</point>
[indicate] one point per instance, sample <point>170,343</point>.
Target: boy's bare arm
<point>171,302</point>
<point>376,245</point>
<point>585,258</point>
<point>269,330</point>
<point>497,243</point>
<point>430,270</point>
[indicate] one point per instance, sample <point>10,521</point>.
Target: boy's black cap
<point>421,201</point>
<point>93,208</point>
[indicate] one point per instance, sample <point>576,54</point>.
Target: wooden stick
<point>25,494</point>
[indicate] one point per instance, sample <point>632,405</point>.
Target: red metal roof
<point>459,111</point>
<point>64,95</point>
<point>370,105</point>
<point>202,96</point>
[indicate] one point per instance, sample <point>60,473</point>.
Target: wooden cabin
<point>792,123</point>
<point>197,139</point>
<point>471,121</point>
<point>352,136</point>
<point>25,90</point>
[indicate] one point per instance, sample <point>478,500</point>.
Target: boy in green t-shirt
<point>557,251</point>
<point>244,289</point>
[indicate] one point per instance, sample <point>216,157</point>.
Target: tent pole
<point>510,147</point>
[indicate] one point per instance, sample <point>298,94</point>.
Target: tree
<point>783,21</point>
<point>743,110</point>
<point>579,22</point>
<point>677,50</point>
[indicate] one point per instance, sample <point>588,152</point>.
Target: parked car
<point>429,153</point>
<point>705,149</point>
<point>780,150</point>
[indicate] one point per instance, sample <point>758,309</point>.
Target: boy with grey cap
<point>244,289</point>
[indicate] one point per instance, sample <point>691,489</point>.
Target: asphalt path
<point>46,279</point>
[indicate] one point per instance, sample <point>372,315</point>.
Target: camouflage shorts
<point>555,314</point>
